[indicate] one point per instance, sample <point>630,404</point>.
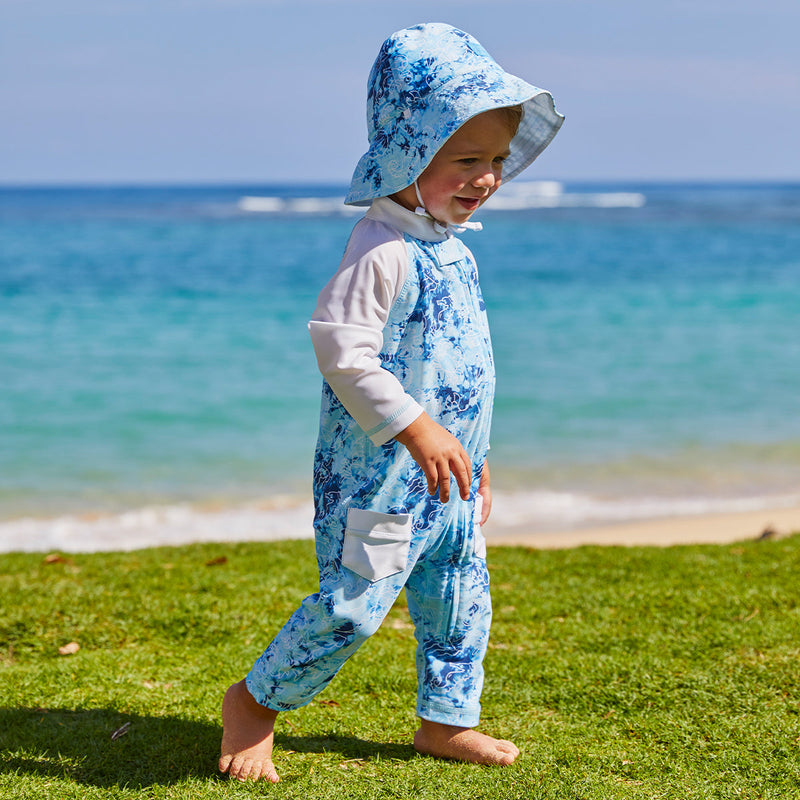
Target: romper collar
<point>425,228</point>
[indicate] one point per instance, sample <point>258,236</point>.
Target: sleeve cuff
<point>397,422</point>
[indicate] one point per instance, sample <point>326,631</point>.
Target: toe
<point>268,772</point>
<point>238,767</point>
<point>225,762</point>
<point>505,758</point>
<point>507,747</point>
<point>507,752</point>
<point>247,771</point>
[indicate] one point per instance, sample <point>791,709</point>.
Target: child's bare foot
<point>463,744</point>
<point>246,736</point>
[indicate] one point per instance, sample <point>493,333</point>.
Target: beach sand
<point>722,528</point>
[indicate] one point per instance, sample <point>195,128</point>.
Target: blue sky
<point>271,90</point>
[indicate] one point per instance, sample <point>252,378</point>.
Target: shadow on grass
<point>78,746</point>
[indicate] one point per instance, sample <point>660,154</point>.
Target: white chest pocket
<point>376,545</point>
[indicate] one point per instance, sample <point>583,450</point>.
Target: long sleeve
<point>347,331</point>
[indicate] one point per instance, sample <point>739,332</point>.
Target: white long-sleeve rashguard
<point>347,325</point>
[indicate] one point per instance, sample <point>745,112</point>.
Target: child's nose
<point>485,179</point>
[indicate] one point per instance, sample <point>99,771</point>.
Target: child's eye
<point>469,161</point>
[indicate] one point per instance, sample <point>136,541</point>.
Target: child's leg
<point>319,637</point>
<point>451,609</point>
<point>302,659</point>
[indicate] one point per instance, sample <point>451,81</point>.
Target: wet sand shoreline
<point>715,528</point>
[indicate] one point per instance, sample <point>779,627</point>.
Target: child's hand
<point>439,453</point>
<point>485,492</point>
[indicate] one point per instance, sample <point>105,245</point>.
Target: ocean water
<point>158,385</point>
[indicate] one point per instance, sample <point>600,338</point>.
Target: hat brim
<point>397,159</point>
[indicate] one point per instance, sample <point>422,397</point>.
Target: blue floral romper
<point>378,529</point>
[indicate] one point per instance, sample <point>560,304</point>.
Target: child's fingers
<point>439,454</point>
<point>487,507</point>
<point>444,484</point>
<point>485,491</point>
<point>439,478</point>
<point>431,471</point>
<point>462,469</point>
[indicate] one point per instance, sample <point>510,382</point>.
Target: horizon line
<point>237,182</point>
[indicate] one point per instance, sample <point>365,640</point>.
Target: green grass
<point>621,673</point>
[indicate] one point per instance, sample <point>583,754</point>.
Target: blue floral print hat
<point>427,81</point>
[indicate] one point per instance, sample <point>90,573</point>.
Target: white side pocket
<point>479,539</point>
<point>376,545</point>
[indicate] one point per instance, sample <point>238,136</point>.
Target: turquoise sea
<point>157,381</point>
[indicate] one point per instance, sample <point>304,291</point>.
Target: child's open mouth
<point>469,203</point>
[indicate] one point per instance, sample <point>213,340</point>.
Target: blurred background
<point>171,184</point>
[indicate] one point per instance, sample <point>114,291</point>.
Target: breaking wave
<point>292,517</point>
<point>519,196</point>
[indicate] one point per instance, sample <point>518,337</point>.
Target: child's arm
<point>439,453</point>
<point>347,331</point>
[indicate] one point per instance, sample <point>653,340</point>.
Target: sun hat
<point>427,81</point>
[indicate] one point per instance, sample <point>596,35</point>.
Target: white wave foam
<point>296,205</point>
<point>158,526</point>
<point>519,196</point>
<point>291,518</point>
<point>546,510</point>
<point>264,205</point>
<point>525,195</point>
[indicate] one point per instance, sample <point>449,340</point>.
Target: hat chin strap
<point>448,229</point>
<point>420,209</point>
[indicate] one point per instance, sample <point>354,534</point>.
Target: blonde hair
<point>513,116</point>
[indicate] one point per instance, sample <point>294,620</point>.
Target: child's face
<point>467,170</point>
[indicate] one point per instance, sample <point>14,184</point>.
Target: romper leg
<point>449,602</point>
<point>320,636</point>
